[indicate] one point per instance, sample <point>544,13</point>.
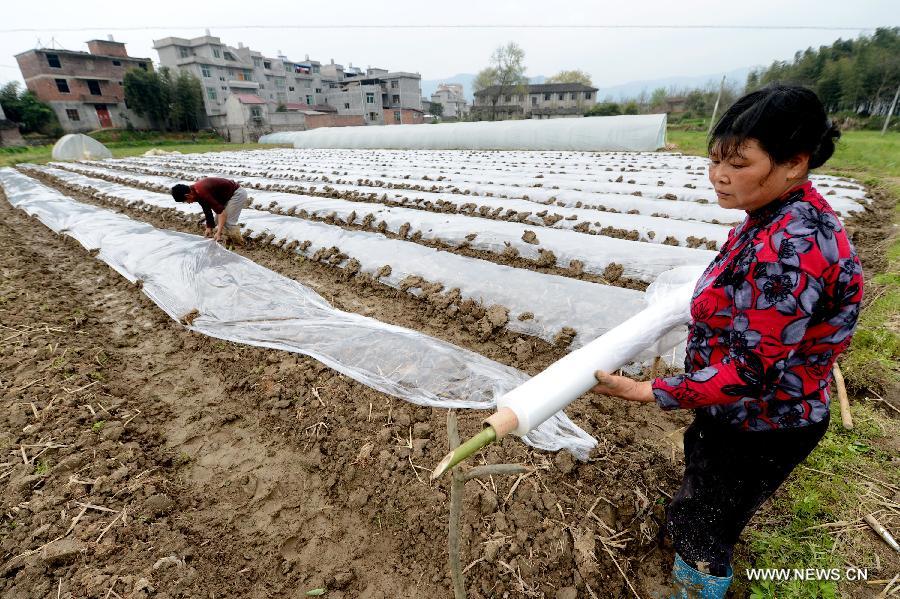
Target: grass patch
<point>788,533</point>
<point>124,149</point>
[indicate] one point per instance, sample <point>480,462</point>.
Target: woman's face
<point>748,179</point>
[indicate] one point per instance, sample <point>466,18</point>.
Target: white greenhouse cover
<point>76,146</point>
<point>645,132</point>
<point>240,301</point>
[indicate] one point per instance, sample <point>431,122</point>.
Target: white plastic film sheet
<point>654,229</point>
<point>643,261</point>
<point>554,302</point>
<point>240,301</point>
<point>669,300</point>
<point>655,175</point>
<point>627,132</point>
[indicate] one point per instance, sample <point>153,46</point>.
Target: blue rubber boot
<point>693,584</point>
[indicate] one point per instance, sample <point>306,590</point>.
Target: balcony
<point>102,99</point>
<point>243,84</point>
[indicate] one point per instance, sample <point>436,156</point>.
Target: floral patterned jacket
<point>770,316</point>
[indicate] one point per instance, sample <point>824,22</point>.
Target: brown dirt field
<point>175,465</point>
<point>210,469</point>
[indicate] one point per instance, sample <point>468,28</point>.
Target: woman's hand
<point>623,387</point>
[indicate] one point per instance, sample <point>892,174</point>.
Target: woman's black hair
<point>180,191</point>
<point>786,120</point>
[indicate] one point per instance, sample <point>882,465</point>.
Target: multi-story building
<point>452,98</point>
<point>84,89</point>
<point>537,101</point>
<point>380,97</point>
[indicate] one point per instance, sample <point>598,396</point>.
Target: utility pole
<point>887,119</point>
<point>712,121</point>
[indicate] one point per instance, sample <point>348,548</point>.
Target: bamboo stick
<point>846,418</point>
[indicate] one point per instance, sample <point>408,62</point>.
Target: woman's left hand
<point>623,387</point>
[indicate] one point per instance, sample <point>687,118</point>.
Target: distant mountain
<point>429,86</point>
<point>633,88</point>
<point>616,92</point>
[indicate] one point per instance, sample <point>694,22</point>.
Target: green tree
<point>859,76</point>
<point>436,109</point>
<point>631,108</point>
<point>505,75</point>
<point>147,93</point>
<point>187,102</point>
<point>24,108</point>
<point>658,98</point>
<point>574,76</point>
<point>604,109</point>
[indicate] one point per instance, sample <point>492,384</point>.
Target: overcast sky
<point>611,56</point>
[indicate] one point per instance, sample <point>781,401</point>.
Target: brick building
<point>85,89</point>
<point>538,101</point>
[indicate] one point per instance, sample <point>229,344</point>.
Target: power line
<point>446,26</point>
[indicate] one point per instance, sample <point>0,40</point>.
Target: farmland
<point>193,464</point>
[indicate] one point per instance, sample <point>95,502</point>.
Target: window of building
<point>395,99</point>
<point>395,84</point>
<point>117,63</point>
<point>183,52</point>
<point>248,74</point>
<point>562,96</point>
<point>221,78</point>
<point>318,90</point>
<point>508,99</point>
<point>307,83</point>
<point>547,97</point>
<point>217,53</point>
<point>53,61</point>
<point>224,88</point>
<point>257,62</point>
<point>587,95</point>
<point>94,87</point>
<point>315,69</point>
<point>262,86</point>
<point>290,88</point>
<point>73,115</point>
<point>211,93</point>
<point>534,100</point>
<point>346,105</point>
<point>309,100</point>
<point>229,56</point>
<point>267,65</point>
<point>204,69</point>
<point>142,65</point>
<point>62,85</point>
<point>370,98</point>
<point>373,116</point>
<point>255,111</point>
<point>396,116</point>
<point>279,82</point>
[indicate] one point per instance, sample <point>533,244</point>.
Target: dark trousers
<point>728,475</point>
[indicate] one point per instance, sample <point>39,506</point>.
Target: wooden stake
<point>846,418</point>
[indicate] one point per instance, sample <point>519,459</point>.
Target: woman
<point>770,315</point>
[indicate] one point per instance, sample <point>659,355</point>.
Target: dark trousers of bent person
<point>728,475</point>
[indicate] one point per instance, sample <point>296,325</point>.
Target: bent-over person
<point>223,197</point>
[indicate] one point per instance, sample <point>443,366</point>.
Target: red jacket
<point>212,193</point>
<point>770,316</point>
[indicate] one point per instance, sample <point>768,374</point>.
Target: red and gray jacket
<point>770,316</point>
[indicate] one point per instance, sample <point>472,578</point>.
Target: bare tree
<point>504,75</point>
